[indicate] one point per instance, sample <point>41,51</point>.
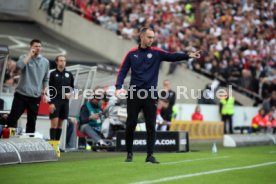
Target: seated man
<point>112,122</point>
<point>90,120</point>
<point>162,123</point>
<point>258,121</point>
<point>269,120</point>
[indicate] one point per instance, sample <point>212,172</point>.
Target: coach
<point>144,62</point>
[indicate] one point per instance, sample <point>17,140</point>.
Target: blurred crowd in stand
<point>237,36</point>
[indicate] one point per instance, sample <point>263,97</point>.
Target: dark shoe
<point>152,159</point>
<point>129,157</point>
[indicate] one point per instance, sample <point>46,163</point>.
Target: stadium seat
<point>242,128</point>
<point>81,135</point>
<point>43,108</point>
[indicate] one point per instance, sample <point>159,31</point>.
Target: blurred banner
<point>54,10</point>
<point>199,129</point>
<point>165,141</point>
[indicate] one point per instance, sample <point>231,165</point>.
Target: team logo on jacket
<point>149,55</point>
<point>56,75</point>
<point>66,75</point>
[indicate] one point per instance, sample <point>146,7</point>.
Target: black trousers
<point>134,106</point>
<point>19,105</point>
<point>228,119</point>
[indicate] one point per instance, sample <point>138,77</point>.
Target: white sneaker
<point>102,143</point>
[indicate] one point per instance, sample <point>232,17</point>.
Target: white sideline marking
<point>203,173</point>
<point>271,152</point>
<point>179,162</point>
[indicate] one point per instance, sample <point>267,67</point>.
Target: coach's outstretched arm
<point>178,56</point>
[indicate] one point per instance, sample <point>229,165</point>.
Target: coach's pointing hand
<point>195,54</point>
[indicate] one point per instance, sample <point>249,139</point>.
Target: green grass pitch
<point>248,165</point>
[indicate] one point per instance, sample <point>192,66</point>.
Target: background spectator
<point>197,116</point>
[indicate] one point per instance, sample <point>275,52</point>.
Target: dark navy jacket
<point>144,64</point>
